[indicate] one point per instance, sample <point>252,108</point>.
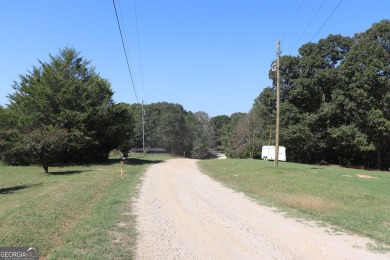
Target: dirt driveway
<point>184,214</point>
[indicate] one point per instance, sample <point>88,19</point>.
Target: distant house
<point>147,150</point>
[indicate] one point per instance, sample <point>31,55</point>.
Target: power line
<point>139,48</point>
<point>124,28</point>
<point>292,21</point>
<point>127,47</point>
<point>327,19</point>
<point>142,76</point>
<point>307,27</point>
<point>124,49</point>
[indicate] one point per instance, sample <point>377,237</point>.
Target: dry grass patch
<point>306,202</point>
<point>364,176</point>
<point>117,237</point>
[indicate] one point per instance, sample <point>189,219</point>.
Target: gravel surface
<point>184,214</point>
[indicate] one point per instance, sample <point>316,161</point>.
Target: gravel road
<point>184,214</point>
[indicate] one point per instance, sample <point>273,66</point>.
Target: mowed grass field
<point>352,200</point>
<point>75,212</point>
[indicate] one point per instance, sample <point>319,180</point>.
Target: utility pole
<point>277,103</point>
<point>143,126</point>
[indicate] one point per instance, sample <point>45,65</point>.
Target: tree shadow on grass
<point>18,187</point>
<point>108,162</point>
<point>136,161</point>
<point>67,172</point>
<point>130,161</point>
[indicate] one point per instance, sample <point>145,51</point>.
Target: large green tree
<point>65,112</point>
<point>8,133</point>
<point>244,138</point>
<point>201,133</point>
<point>264,108</point>
<point>364,92</point>
<point>220,124</point>
<point>165,127</point>
<point>334,100</point>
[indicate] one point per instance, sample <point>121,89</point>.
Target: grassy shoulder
<point>81,212</point>
<point>357,201</point>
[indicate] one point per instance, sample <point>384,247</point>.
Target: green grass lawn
<point>75,212</point>
<point>333,195</point>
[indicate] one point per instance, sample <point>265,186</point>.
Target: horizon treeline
<point>335,108</point>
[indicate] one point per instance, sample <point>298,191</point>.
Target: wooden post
<point>121,168</point>
<point>277,103</point>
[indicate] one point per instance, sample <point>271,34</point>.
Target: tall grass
<point>76,212</point>
<point>353,200</point>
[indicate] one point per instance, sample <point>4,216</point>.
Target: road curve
<point>184,214</point>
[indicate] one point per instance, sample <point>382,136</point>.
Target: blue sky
<point>207,55</point>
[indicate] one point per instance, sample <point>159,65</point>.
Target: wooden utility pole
<point>277,103</point>
<point>122,168</point>
<point>143,127</point>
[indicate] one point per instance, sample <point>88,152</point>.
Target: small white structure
<point>268,153</point>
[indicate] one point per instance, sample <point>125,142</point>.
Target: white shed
<point>268,153</point>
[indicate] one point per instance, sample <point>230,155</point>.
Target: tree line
<point>62,112</point>
<point>335,108</point>
<point>335,104</point>
<point>171,127</point>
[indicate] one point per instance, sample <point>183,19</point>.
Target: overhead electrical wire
<point>141,108</point>
<point>292,21</point>
<point>139,48</point>
<point>124,28</point>
<point>307,27</point>
<point>142,77</point>
<point>327,19</point>
<point>124,49</point>
<point>125,38</point>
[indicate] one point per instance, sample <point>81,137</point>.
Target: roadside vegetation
<point>351,200</point>
<point>334,107</point>
<point>75,212</point>
<point>62,112</point>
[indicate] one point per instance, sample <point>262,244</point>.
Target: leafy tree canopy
<point>335,100</point>
<point>64,113</point>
